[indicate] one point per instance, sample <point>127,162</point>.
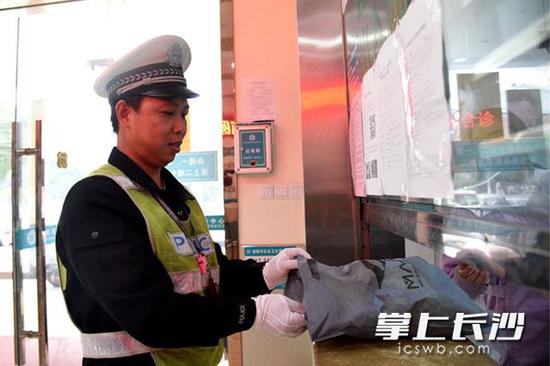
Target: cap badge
<point>175,56</point>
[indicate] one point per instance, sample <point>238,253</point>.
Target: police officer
<point>142,279</point>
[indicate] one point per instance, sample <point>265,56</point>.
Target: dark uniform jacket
<point>115,282</point>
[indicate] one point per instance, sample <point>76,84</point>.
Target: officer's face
<point>156,129</point>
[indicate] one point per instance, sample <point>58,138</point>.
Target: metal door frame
<point>20,333</point>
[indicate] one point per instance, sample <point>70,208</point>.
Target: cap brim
<point>170,91</point>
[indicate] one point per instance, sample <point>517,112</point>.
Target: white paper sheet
<point>428,130</point>
<point>344,3</point>
<point>356,146</point>
<point>371,135</point>
<point>391,118</point>
<point>259,100</point>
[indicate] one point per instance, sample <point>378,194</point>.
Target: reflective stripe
<point>193,282</point>
<point>111,345</point>
<point>125,182</point>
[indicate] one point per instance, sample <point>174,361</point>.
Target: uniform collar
<point>138,175</point>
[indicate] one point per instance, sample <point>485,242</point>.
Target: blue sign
<point>215,222</point>
<point>195,166</point>
<point>263,250</point>
<point>50,232</point>
<point>253,148</point>
<point>508,155</point>
<point>26,238</point>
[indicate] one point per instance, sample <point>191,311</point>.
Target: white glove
<point>279,315</point>
<point>276,270</point>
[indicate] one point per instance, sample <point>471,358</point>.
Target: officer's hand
<point>276,270</point>
<point>279,315</point>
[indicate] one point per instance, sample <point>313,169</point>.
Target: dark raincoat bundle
<point>347,300</point>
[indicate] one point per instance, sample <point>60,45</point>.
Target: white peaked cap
<point>154,68</point>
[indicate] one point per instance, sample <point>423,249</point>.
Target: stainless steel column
<point>332,212</point>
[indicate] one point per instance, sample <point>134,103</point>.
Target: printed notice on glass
<point>356,146</point>
<point>371,136</point>
<point>344,3</point>
<point>429,164</point>
<point>258,100</point>
<point>391,118</point>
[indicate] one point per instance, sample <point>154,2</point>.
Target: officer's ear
<point>123,111</point>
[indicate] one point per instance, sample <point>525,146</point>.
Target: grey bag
<point>347,300</point>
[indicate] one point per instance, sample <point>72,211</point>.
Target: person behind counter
<point>490,285</point>
<point>141,277</point>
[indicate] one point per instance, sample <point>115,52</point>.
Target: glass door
<point>54,77</point>
<point>8,44</point>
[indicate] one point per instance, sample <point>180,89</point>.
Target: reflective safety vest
<point>172,247</point>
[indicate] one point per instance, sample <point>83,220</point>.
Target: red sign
<point>228,128</point>
<point>484,118</point>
